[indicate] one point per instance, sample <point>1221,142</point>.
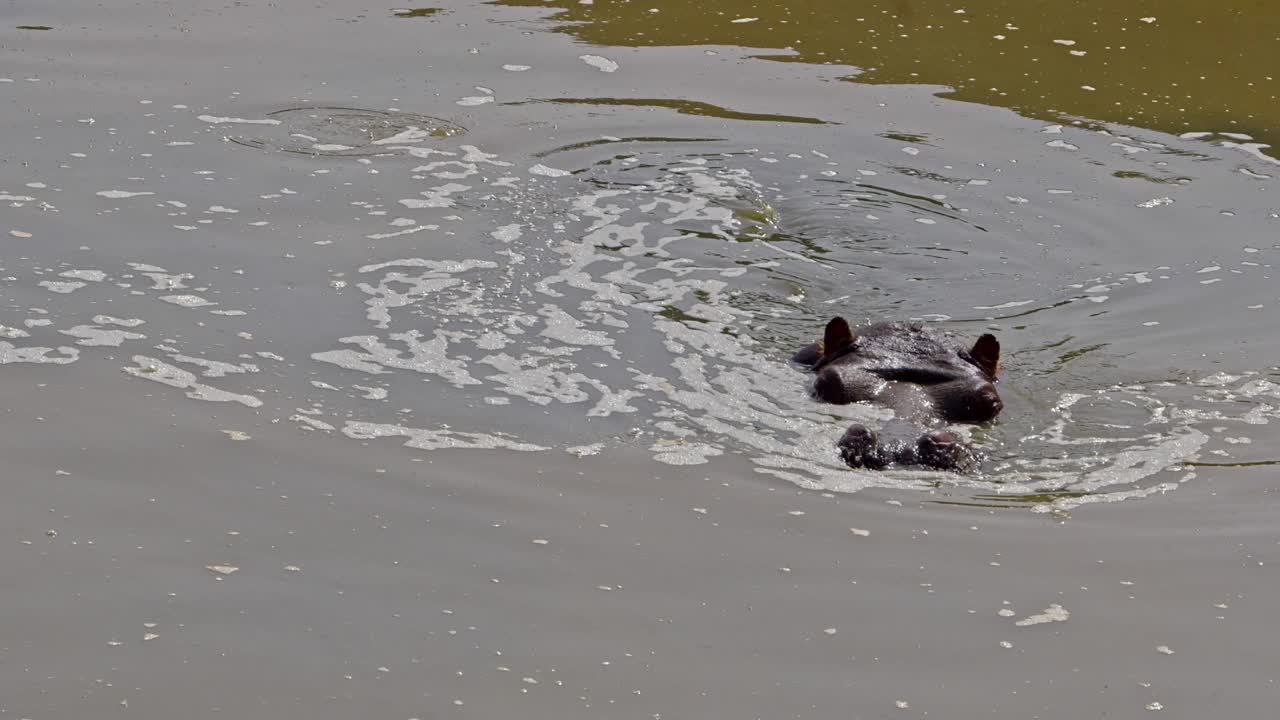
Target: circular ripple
<point>342,131</point>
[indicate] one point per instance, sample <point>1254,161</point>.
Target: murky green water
<point>1170,66</point>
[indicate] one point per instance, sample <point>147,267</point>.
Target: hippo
<point>928,377</point>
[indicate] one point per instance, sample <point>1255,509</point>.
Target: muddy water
<point>399,363</point>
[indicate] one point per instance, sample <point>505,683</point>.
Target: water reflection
<point>685,107</point>
<point>1175,67</point>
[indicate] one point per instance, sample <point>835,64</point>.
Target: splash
<point>646,299</point>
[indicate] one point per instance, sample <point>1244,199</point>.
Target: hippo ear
<point>986,355</point>
<point>837,337</point>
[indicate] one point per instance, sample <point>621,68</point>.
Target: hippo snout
<point>963,402</point>
<point>986,404</point>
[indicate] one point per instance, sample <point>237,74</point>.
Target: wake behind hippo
<point>928,377</point>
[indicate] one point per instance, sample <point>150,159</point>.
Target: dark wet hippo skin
<point>929,378</point>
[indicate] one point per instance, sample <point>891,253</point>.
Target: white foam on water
<point>424,439</point>
<point>10,353</point>
<point>95,336</point>
<point>507,233</point>
<point>122,194</point>
<point>545,171</point>
<point>1053,613</point>
<point>189,301</point>
<point>429,357</point>
<point>372,393</point>
<point>162,280</point>
<point>223,120</point>
<point>215,368</point>
<point>599,62</point>
<point>87,275</point>
<point>161,372</point>
<point>62,288</point>
<point>122,322</point>
<point>436,197</point>
<point>408,135</point>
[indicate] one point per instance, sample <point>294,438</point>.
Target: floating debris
<point>1053,613</point>
<point>585,450</point>
<point>603,64</point>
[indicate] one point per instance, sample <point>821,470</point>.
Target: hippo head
<point>952,380</point>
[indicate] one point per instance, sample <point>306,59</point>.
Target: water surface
<point>457,350</point>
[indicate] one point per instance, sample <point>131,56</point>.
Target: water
<point>1176,68</point>
<point>648,290</point>
<point>245,314</point>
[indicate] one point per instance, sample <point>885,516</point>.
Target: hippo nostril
<point>985,404</point>
<point>994,402</point>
